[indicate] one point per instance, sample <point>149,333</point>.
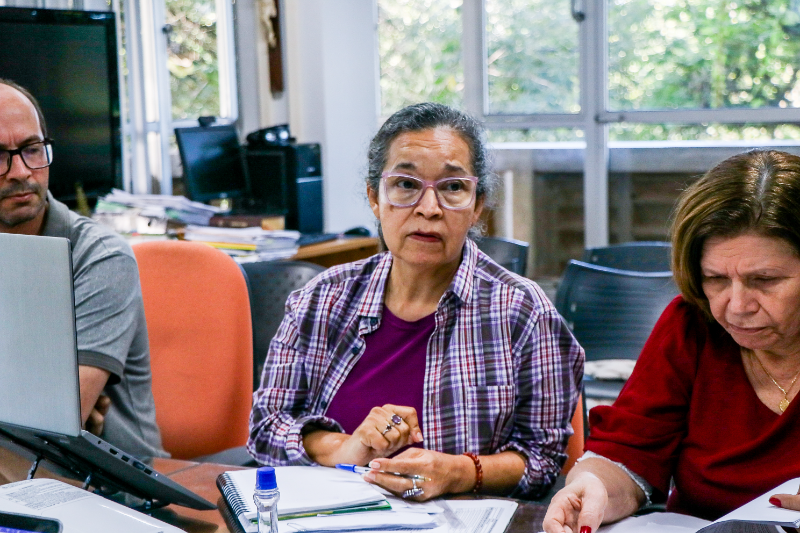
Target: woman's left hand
<point>446,473</point>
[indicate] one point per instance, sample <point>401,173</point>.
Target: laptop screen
<point>39,386</point>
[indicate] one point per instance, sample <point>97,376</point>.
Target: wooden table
<point>336,252</point>
<point>201,479</point>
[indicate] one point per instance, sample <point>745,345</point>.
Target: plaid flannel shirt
<point>503,372</point>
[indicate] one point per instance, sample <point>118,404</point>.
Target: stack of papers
<point>121,208</point>
<point>316,498</point>
<point>254,244</point>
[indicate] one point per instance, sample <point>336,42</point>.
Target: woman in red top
<point>709,406</point>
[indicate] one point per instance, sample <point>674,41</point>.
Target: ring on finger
<point>396,419</point>
<point>414,491</point>
<point>387,429</point>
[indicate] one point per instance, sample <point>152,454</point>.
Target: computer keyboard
<point>315,238</point>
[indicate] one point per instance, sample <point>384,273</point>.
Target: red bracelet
<point>478,471</point>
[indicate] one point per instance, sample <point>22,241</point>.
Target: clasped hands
<point>378,437</point>
<point>97,418</point>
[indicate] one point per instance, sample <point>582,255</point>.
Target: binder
<point>305,491</point>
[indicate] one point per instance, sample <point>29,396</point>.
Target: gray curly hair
<point>426,116</point>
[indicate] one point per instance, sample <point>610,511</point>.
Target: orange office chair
<point>575,443</point>
<point>201,346</point>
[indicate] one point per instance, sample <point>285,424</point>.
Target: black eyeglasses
<point>35,155</point>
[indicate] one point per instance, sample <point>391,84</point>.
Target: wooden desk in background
<point>336,252</point>
<point>201,479</point>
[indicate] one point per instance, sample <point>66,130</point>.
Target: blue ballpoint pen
<point>364,470</point>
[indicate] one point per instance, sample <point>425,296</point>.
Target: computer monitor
<point>213,165</point>
<point>69,62</point>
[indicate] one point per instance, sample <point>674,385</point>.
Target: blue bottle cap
<point>265,478</point>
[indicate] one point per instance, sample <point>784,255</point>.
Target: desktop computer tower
<point>288,179</point>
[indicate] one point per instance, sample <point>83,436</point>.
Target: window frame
<point>594,116</point>
<point>148,130</point>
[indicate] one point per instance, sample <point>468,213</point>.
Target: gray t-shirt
<point>112,333</point>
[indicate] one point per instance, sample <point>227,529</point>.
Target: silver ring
<point>397,419</point>
<point>387,429</point>
<point>413,491</point>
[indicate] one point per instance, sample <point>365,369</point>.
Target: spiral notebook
<point>305,491</point>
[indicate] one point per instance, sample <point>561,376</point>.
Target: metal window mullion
<point>226,61</point>
<point>551,120</point>
<point>125,129</point>
<point>594,98</point>
<point>136,102</point>
<point>164,95</point>
<point>768,115</point>
<point>473,52</point>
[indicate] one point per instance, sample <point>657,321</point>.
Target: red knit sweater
<point>688,412</point>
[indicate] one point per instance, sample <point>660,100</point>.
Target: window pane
<point>678,54</point>
<point>704,132</point>
<point>640,203</point>
<point>192,58</point>
<point>536,135</point>
<point>532,57</point>
<point>542,184</point>
<point>420,53</point>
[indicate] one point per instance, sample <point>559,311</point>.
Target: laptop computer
<point>39,384</point>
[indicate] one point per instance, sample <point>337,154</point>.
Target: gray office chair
<point>611,312</point>
<point>508,253</point>
<point>643,256</point>
<point>269,284</point>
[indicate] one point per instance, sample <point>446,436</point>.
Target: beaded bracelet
<point>478,471</point>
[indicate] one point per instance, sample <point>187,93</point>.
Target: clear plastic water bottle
<point>266,498</point>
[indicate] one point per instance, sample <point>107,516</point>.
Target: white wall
<point>331,73</point>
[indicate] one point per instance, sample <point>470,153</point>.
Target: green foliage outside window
<point>420,51</point>
<point>686,54</point>
<point>669,54</point>
<point>532,57</point>
<point>192,58</point>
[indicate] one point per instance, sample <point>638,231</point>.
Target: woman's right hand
<point>377,436</point>
<point>579,507</point>
<point>371,439</point>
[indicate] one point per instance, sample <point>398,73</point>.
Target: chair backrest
<point>270,283</point>
<point>508,253</point>
<point>576,441</point>
<point>643,256</point>
<point>611,312</point>
<point>198,321</point>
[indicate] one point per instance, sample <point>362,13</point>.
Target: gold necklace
<point>785,402</point>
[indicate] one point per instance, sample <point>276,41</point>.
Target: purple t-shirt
<point>391,370</point>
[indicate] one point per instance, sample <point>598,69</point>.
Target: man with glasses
<point>113,352</point>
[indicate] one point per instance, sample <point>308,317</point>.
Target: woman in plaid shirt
<point>428,359</point>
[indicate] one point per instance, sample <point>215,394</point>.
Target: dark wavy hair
<point>756,191</point>
<point>29,96</point>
